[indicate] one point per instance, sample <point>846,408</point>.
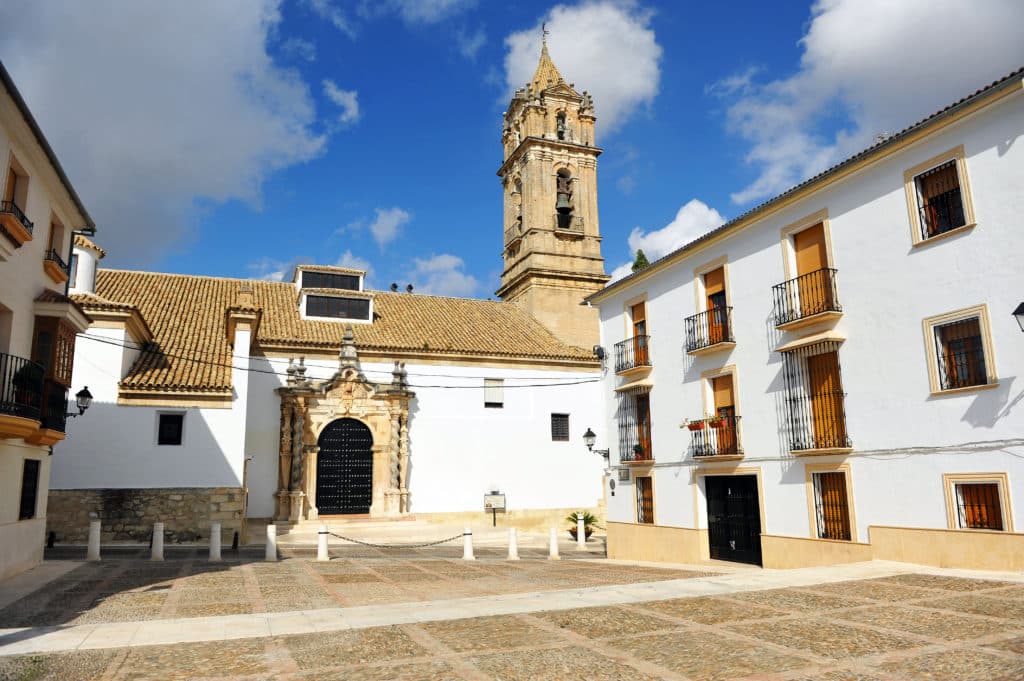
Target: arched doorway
<point>344,468</point>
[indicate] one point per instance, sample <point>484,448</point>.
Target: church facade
<point>226,399</point>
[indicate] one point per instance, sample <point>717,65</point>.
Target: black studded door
<point>344,468</point>
<point>734,518</point>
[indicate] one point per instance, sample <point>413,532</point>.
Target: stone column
<point>284,459</point>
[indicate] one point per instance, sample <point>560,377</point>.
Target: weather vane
<point>544,31</point>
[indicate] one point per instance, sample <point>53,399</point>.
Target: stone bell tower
<point>552,245</point>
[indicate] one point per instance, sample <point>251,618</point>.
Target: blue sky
<point>241,137</point>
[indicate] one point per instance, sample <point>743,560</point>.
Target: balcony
<point>807,299</point>
<point>638,455</point>
<point>632,354</point>
<point>716,438</point>
<point>709,331</point>
<point>21,396</point>
<point>13,224</point>
<point>55,267</point>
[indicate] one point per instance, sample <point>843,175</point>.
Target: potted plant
<point>588,520</point>
<point>717,421</point>
<point>697,424</point>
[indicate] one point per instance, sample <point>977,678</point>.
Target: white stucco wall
<point>459,450</point>
<point>904,438</point>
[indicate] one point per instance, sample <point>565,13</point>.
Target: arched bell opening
<point>344,468</point>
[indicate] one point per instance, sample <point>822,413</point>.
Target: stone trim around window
<point>928,326</point>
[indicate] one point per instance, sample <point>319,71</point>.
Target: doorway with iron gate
<point>734,518</point>
<point>344,468</point>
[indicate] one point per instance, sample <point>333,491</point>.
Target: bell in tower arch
<point>563,200</point>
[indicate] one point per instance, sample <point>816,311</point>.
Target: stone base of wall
<point>523,519</point>
<point>127,515</point>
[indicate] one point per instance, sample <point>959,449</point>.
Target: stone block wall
<point>127,515</point>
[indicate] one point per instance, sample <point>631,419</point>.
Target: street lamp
<point>83,398</point>
<point>589,438</point>
<point>1019,314</point>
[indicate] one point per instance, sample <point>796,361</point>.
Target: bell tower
<point>552,240</point>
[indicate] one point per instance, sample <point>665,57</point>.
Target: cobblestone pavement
<point>899,627</point>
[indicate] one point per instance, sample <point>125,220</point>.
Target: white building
<point>38,323</point>
<point>403,403</point>
<point>856,335</point>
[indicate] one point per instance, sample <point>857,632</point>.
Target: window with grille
<point>560,427</point>
<point>815,397</point>
<point>831,506</point>
<point>494,393</point>
<point>644,499</point>
<point>337,308</point>
<point>634,420</point>
<point>29,489</point>
<point>345,282</point>
<point>940,205</point>
<point>170,428</point>
<point>961,354</point>
<point>978,506</point>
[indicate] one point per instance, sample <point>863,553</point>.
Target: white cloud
<point>348,100</point>
<point>428,11</point>
<point>897,67</point>
<point>442,275</point>
<point>270,269</point>
<point>469,44</point>
<point>297,48</point>
<point>385,226</point>
<point>607,48</point>
<point>329,12</point>
<point>349,259</point>
<point>151,109</point>
<point>693,220</point>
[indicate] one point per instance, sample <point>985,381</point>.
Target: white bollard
<point>321,543</point>
<point>513,544</point>
<point>214,542</point>
<point>94,541</point>
<point>157,552</point>
<point>467,544</point>
<point>581,533</point>
<point>553,552</point>
<point>271,554</point>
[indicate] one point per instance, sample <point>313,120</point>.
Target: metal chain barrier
<point>399,546</point>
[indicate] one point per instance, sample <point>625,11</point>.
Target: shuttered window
<point>494,393</point>
<point>961,354</point>
<point>978,507</point>
<point>831,506</point>
<point>337,308</point>
<point>644,499</point>
<point>939,200</point>
<point>560,427</point>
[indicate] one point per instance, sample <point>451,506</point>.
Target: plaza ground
<point>426,614</point>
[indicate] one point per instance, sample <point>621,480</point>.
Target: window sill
<point>820,317</point>
<point>966,389</point>
<point>824,451</point>
<point>11,226</point>
<point>633,371</point>
<point>710,349</point>
<point>718,457</point>
<point>54,272</point>
<point>939,237</point>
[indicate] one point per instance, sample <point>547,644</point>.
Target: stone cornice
<point>533,142</point>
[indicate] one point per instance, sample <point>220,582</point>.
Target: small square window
<point>559,427</point>
<point>831,507</point>
<point>939,201</point>
<point>959,350</point>
<point>494,393</point>
<point>170,428</point>
<point>978,506</point>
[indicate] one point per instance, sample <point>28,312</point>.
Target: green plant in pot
<point>589,519</point>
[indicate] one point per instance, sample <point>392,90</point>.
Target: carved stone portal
<point>307,407</point>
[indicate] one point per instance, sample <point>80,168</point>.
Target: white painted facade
<point>42,194</point>
<point>904,437</point>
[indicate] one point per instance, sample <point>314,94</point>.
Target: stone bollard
<point>581,533</point>
<point>513,544</point>
<point>467,544</point>
<point>157,552</point>
<point>271,554</point>
<point>94,541</point>
<point>214,542</point>
<point>553,552</point>
<point>321,543</point>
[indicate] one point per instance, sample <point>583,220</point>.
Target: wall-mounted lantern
<point>83,398</point>
<point>1019,314</point>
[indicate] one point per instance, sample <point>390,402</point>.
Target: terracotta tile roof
<point>91,301</point>
<point>187,317</point>
<point>84,242</point>
<point>51,296</point>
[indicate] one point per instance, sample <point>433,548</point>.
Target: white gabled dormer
<point>333,293</point>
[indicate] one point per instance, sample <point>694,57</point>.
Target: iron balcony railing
<point>806,295</point>
<point>12,208</point>
<point>569,222</point>
<point>716,440</point>
<point>55,406</point>
<point>709,328</point>
<point>53,256</point>
<point>816,403</point>
<point>942,213</point>
<point>632,353</point>
<point>21,387</point>
<point>636,454</point>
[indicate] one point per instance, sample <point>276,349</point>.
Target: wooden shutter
<point>938,181</point>
<point>12,183</point>
<point>714,289</point>
<point>826,389</point>
<point>639,315</point>
<point>643,423</point>
<point>963,358</point>
<point>832,506</point>
<point>724,407</point>
<point>978,506</point>
<point>815,281</point>
<point>644,499</point>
